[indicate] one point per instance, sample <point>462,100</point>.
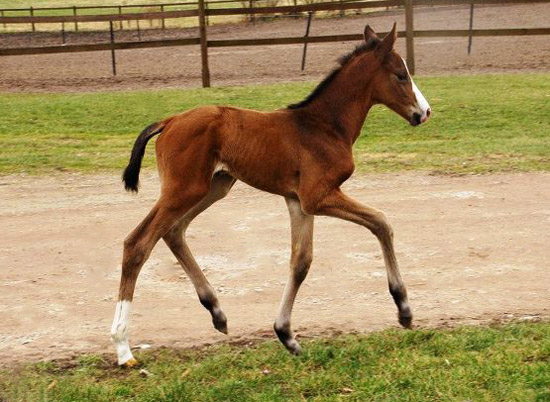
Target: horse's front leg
<point>301,255</point>
<point>338,205</point>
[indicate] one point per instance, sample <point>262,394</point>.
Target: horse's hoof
<point>220,322</point>
<point>406,321</point>
<point>220,326</point>
<point>130,363</point>
<point>287,339</point>
<point>293,347</point>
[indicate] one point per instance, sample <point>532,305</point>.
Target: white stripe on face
<point>422,106</point>
<point>119,331</point>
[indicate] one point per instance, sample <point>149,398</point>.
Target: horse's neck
<point>345,103</point>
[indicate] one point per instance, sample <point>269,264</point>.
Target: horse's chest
<point>334,158</point>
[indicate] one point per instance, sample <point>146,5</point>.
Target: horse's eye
<point>402,77</point>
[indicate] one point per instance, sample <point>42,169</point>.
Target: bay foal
<point>303,153</point>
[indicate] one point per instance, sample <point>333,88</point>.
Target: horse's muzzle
<point>417,118</point>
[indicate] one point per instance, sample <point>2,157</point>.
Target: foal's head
<point>392,84</point>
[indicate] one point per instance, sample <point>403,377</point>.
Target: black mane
<point>345,59</point>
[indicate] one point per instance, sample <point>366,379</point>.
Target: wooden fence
<point>202,13</point>
<point>161,7</point>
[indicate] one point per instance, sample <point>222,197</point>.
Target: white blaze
<point>421,102</point>
<point>422,106</point>
<point>119,331</point>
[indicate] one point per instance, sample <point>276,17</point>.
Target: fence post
<point>113,59</point>
<point>76,22</point>
<point>295,14</point>
<point>32,15</point>
<point>139,30</point>
<point>204,46</point>
<point>2,14</point>
<point>63,38</point>
<point>120,13</point>
<point>309,15</point>
<point>471,28</point>
<point>252,16</point>
<point>163,21</point>
<point>410,35</point>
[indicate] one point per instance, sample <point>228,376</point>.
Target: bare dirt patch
<point>180,66</point>
<point>471,249</point>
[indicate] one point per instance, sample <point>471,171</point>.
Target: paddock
<point>467,196</point>
<point>181,66</point>
<point>472,249</point>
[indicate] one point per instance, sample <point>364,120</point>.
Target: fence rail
<point>123,6</point>
<point>266,41</point>
<point>255,9</point>
<point>202,13</point>
<point>98,18</point>
<point>332,6</point>
<point>156,5</point>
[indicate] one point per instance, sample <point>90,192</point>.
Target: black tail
<point>130,177</point>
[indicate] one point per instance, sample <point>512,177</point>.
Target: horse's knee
<point>381,226</point>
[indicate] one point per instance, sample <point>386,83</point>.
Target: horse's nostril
<point>428,112</point>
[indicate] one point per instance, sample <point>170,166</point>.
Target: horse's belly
<point>273,177</point>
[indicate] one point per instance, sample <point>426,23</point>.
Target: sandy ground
<point>471,249</point>
<point>180,66</point>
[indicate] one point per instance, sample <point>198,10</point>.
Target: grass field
<point>498,363</point>
<point>480,124</point>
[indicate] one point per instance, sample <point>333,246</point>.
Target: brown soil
<point>471,249</point>
<point>180,66</point>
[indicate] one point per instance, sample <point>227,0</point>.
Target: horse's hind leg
<point>175,239</point>
<point>301,226</point>
<point>172,205</point>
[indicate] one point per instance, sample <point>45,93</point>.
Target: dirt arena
<point>180,66</point>
<point>472,250</point>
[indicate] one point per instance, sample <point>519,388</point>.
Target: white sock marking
<point>119,331</point>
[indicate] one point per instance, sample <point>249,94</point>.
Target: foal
<point>303,153</point>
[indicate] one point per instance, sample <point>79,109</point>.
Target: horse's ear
<point>369,34</point>
<point>388,42</point>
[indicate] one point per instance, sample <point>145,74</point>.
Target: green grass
<point>488,123</point>
<point>499,363</point>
